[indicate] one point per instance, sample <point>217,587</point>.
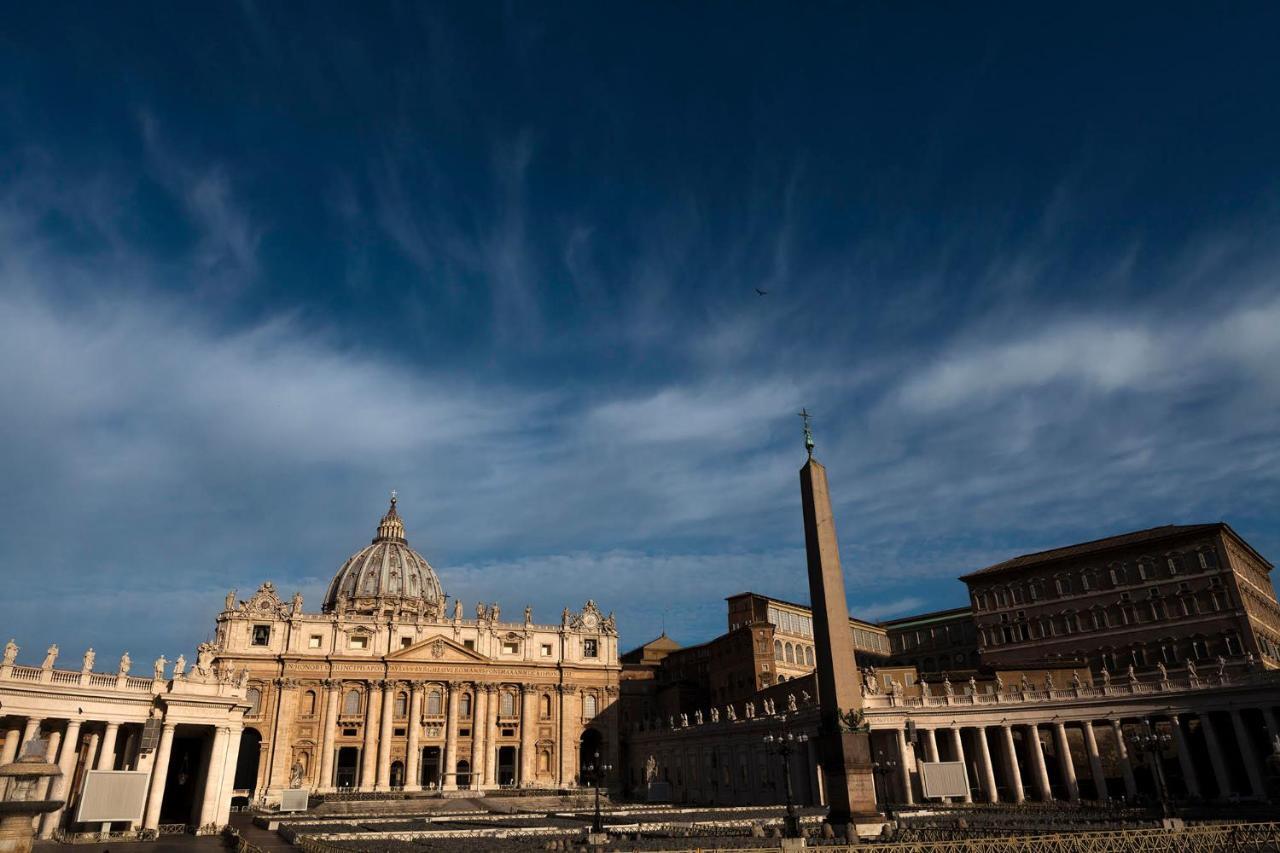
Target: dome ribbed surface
<point>387,572</point>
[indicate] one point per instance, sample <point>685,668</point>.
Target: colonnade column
<point>1184,758</point>
<point>1095,761</point>
<point>907,796</point>
<point>107,755</point>
<point>479,734</point>
<point>449,772</point>
<point>1245,747</point>
<point>413,758</point>
<point>383,780</point>
<point>930,745</point>
<point>1015,773</point>
<point>528,729</point>
<point>957,746</point>
<point>10,750</point>
<point>213,779</point>
<point>984,763</point>
<point>31,730</point>
<point>1066,762</point>
<point>1126,766</point>
<point>159,775</point>
<point>1031,736</point>
<point>369,753</point>
<point>1215,756</point>
<point>332,695</point>
<point>67,764</point>
<point>1269,718</point>
<point>51,757</point>
<point>222,811</point>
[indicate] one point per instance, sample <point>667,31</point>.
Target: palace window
<point>406,642</point>
<point>309,703</point>
<point>464,706</point>
<point>1174,562</point>
<point>435,702</point>
<point>402,706</point>
<point>1233,645</point>
<point>791,653</point>
<point>1117,575</point>
<point>1199,649</point>
<point>808,655</point>
<point>1168,653</point>
<point>261,635</point>
<point>507,704</point>
<point>1063,585</point>
<point>544,706</point>
<point>313,642</point>
<point>546,650</point>
<point>254,698</point>
<point>511,647</point>
<point>351,704</point>
<point>777,650</point>
<point>588,705</point>
<point>590,649</point>
<point>358,642</point>
<point>1208,559</point>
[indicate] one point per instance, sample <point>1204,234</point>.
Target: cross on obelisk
<point>846,755</point>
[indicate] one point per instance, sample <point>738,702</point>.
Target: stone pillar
<point>31,730</point>
<point>449,770</point>
<point>107,757</point>
<point>984,764</point>
<point>130,754</point>
<point>957,746</point>
<point>1039,771</point>
<point>1269,718</point>
<point>479,733</point>
<point>1126,766</point>
<point>930,745</point>
<point>413,754</point>
<point>159,775</point>
<point>51,757</point>
<point>10,750</point>
<point>1065,761</point>
<point>491,738</point>
<point>213,781</point>
<point>904,765</point>
<point>333,696</point>
<point>223,814</point>
<point>67,759</point>
<point>369,752</point>
<point>1095,760</point>
<point>528,734</point>
<point>1011,762</point>
<point>383,781</point>
<point>1250,757</point>
<point>1215,757</point>
<point>565,744</point>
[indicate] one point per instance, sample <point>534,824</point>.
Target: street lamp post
<point>598,771</point>
<point>1152,744</point>
<point>784,745</point>
<point>882,770</point>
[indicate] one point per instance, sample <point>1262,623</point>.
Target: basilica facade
<point>390,687</point>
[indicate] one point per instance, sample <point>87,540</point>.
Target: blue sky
<point>262,263</point>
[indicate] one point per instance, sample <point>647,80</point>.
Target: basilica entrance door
<point>506,766</point>
<point>431,767</point>
<point>348,767</point>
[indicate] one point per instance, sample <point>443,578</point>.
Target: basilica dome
<point>386,575</point>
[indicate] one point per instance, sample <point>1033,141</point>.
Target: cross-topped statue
<point>808,433</point>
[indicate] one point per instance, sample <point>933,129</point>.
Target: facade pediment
<point>437,649</point>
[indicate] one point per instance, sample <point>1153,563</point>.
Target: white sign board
<point>943,779</point>
<point>111,795</point>
<point>294,800</point>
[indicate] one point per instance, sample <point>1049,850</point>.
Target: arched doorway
<point>397,774</point>
<point>464,774</point>
<point>348,767</point>
<point>245,781</point>
<point>590,754</point>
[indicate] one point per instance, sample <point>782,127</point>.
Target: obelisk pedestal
<point>845,754</point>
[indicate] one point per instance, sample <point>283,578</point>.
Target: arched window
<point>1117,574</point>
<point>507,707</point>
<point>464,706</point>
<point>791,653</point>
<point>808,655</point>
<point>777,650</point>
<point>309,702</point>
<point>588,705</point>
<point>544,706</point>
<point>435,702</point>
<point>351,705</point>
<point>402,705</point>
<point>1208,559</point>
<point>254,698</point>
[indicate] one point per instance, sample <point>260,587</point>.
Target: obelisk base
<point>848,777</point>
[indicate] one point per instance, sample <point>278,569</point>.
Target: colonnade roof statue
<point>386,573</point>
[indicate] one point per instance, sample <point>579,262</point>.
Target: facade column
<point>369,752</point>
<point>107,756</point>
<point>479,732</point>
<point>1065,760</point>
<point>1184,758</point>
<point>984,763</point>
<point>413,754</point>
<point>159,775</point>
<point>222,815</point>
<point>564,746</point>
<point>383,779</point>
<point>491,738</point>
<point>957,746</point>
<point>1245,747</point>
<point>1095,761</point>
<point>333,696</point>
<point>528,734</point>
<point>449,769</point>
<point>1035,749</point>
<point>904,765</point>
<point>67,764</point>
<point>1126,766</point>
<point>1215,756</point>
<point>1015,772</point>
<point>10,750</point>
<point>213,781</point>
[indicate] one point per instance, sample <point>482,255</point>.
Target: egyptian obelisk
<point>845,754</point>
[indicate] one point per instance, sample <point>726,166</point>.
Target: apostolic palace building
<point>1038,689</point>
